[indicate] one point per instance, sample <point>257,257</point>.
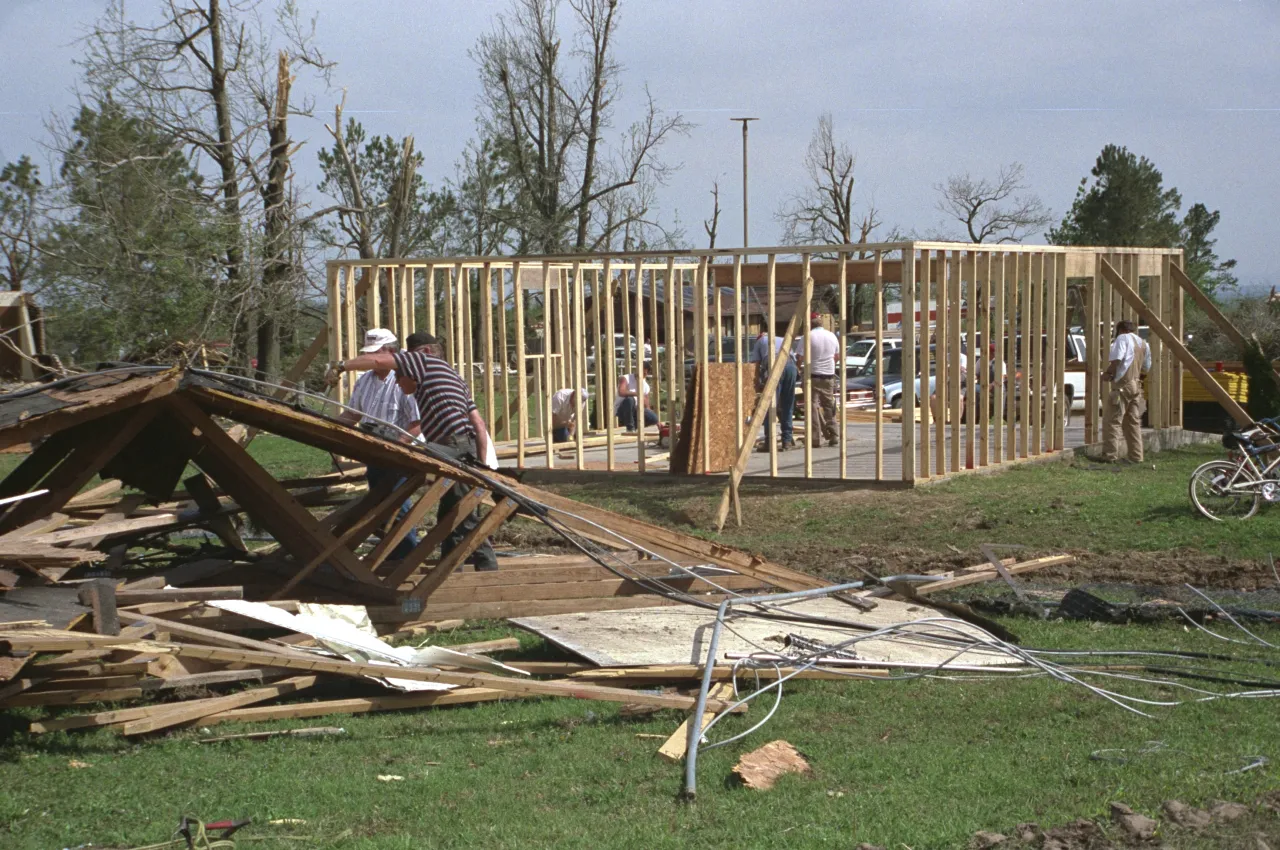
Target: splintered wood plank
<point>675,747</point>
<point>175,715</point>
<point>428,674</point>
<point>91,404</point>
<point>197,633</point>
<point>475,537</point>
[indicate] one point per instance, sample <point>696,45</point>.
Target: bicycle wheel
<point>1215,491</point>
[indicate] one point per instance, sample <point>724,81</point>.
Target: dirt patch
<point>1221,826</point>
<point>1175,567</point>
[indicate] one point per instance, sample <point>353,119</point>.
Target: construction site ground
<point>919,764</point>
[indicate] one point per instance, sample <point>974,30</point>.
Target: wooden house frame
<point>1026,291</point>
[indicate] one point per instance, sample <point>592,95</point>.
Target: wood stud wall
<point>980,295</point>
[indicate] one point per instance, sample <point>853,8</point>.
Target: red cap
<point>815,315</point>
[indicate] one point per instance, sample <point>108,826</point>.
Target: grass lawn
<point>916,764</point>
<point>922,763</point>
<point>1137,521</point>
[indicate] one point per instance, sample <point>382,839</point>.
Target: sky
<point>919,90</point>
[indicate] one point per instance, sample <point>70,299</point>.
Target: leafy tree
<point>20,221</point>
<point>129,265</point>
<point>1200,261</point>
<point>1126,205</point>
<point>385,207</point>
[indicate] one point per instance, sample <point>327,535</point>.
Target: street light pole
<point>745,231</point>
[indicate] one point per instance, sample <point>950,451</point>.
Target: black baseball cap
<point>419,339</point>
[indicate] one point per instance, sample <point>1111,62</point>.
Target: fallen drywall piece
<point>760,769</point>
<point>346,630</point>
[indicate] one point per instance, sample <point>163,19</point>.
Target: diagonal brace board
<point>410,521</point>
<point>435,537</point>
<point>762,404</point>
<point>1169,338</point>
<point>496,516</point>
<point>351,538</point>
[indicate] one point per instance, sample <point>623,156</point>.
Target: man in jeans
<point>377,399</point>
<point>824,346</point>
<point>451,422</point>
<point>786,396</point>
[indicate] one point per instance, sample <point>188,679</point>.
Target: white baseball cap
<point>376,338</point>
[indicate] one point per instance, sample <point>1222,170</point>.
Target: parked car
<point>860,389</point>
<point>859,351</point>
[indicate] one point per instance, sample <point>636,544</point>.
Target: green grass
<point>923,763</point>
<point>1078,505</point>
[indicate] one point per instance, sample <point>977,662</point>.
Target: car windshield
<point>860,347</point>
<point>892,364</point>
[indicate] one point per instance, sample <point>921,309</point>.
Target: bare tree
<point>992,210</point>
<point>825,212</point>
<point>550,121</point>
<point>712,224</point>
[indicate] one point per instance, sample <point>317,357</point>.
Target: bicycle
<point>1234,488</point>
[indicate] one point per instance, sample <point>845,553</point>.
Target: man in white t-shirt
<point>564,413</point>
<point>633,396</point>
<point>824,347</point>
<point>1130,361</point>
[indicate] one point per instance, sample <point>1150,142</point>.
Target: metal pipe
<point>699,710</point>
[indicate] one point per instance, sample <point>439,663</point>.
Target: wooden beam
<point>186,712</point>
<point>262,496</point>
<point>1238,413</point>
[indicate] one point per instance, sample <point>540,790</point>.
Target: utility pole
<point>745,231</point>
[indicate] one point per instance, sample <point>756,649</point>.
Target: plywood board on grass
<point>679,634</point>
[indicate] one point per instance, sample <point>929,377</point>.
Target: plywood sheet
<point>680,634</point>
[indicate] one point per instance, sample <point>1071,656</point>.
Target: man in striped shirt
<point>450,421</point>
<point>377,399</point>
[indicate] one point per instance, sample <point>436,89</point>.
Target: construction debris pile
<point>154,590</point>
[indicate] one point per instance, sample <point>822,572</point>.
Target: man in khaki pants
<point>1130,361</point>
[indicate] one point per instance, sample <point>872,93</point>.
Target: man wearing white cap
<point>377,396</point>
<point>564,413</point>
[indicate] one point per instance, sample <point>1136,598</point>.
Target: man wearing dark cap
<point>451,422</point>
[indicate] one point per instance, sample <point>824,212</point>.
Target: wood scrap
<point>760,769</point>
<point>675,747</point>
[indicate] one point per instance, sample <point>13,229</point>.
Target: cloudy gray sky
<point>920,90</point>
